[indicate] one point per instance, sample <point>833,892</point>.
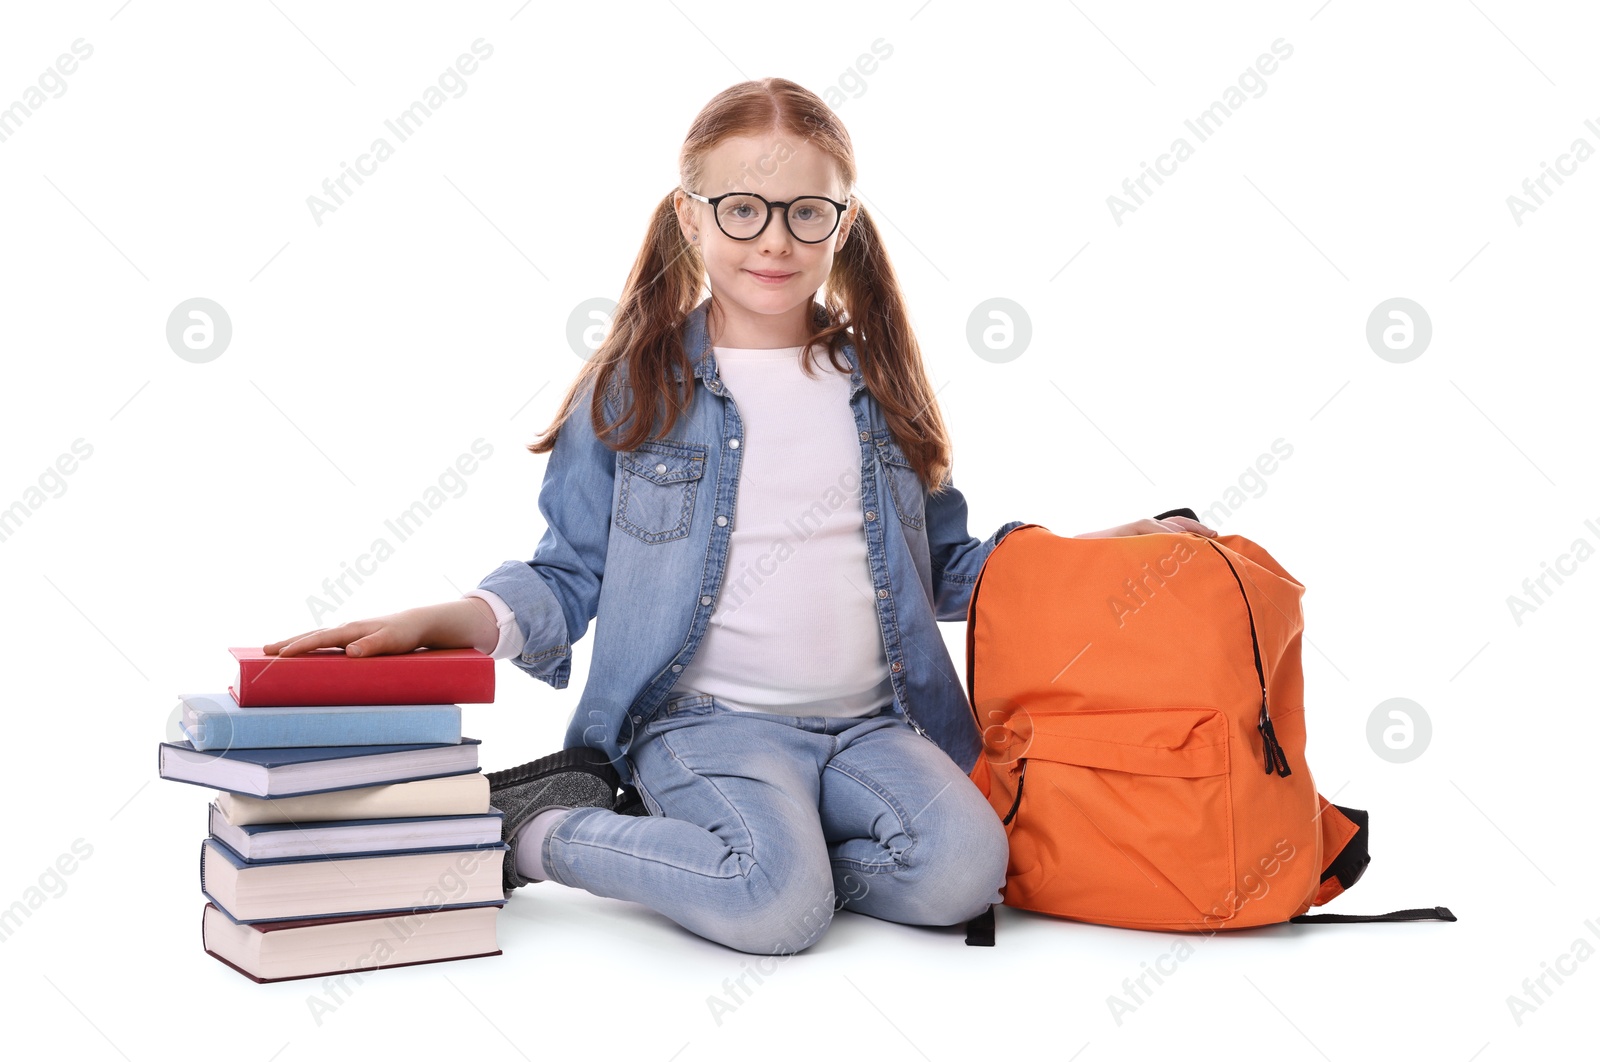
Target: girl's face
<point>779,167</point>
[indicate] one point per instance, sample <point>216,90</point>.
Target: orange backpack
<point>1140,700</point>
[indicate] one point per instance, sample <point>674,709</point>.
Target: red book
<point>329,677</point>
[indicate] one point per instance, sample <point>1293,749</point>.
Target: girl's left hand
<point>1148,526</point>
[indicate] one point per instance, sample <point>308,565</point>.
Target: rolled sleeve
<point>553,597</point>
<point>510,641</point>
<point>957,556</point>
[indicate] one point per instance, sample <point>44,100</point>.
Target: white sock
<point>530,841</point>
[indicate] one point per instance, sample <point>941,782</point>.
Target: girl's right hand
<point>463,624</point>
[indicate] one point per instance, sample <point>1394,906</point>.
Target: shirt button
<point>733,443</point>
<point>871,515</point>
<point>679,667</point>
<point>895,666</point>
<point>705,599</point>
<point>722,521</point>
<point>883,593</point>
<point>637,720</point>
<point>863,436</point>
<point>661,468</point>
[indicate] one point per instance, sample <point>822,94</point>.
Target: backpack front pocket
<point>1123,817</point>
<point>655,499</point>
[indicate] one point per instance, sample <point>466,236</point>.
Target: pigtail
<point>644,341</point>
<point>862,289</point>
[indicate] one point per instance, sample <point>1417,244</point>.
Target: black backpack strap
<point>1351,861</point>
<point>1348,866</point>
<point>1415,914</point>
<point>980,930</point>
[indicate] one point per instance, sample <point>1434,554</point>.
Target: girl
<point>766,575</point>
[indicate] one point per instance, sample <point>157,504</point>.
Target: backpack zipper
<point>1276,760</point>
<point>1022,776</point>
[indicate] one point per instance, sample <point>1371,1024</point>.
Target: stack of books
<point>352,828</point>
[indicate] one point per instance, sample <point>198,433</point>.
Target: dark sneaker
<point>574,778</point>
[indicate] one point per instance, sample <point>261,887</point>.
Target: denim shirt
<point>639,539</point>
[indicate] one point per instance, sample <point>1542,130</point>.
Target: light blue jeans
<point>761,826</point>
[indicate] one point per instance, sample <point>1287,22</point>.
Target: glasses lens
<point>741,216</point>
<point>812,219</point>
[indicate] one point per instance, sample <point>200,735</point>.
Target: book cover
<point>303,771</point>
<point>376,883</point>
<point>330,677</point>
<point>272,842</point>
<point>288,950</point>
<point>218,721</point>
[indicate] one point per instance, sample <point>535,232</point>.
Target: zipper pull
<point>1276,760</point>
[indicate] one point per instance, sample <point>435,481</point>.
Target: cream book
<point>461,794</point>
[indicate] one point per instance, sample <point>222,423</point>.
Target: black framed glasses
<point>744,215</point>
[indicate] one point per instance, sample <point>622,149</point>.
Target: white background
<point>1168,353</point>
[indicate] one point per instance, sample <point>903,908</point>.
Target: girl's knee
<point>772,919</point>
<point>955,871</point>
<point>988,851</point>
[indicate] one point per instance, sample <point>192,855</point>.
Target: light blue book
<point>215,721</point>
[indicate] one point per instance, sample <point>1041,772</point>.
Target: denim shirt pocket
<point>905,488</point>
<point>657,487</point>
